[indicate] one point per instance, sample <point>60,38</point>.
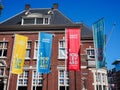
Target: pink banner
<point>73,48</point>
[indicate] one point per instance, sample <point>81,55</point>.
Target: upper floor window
<point>3,49</point>
<point>35,49</point>
<point>2,69</point>
<point>23,81</point>
<point>103,77</point>
<point>61,49</point>
<point>47,20</point>
<point>28,50</point>
<point>100,80</point>
<point>99,77</point>
<point>36,19</point>
<point>63,79</point>
<point>90,53</point>
<point>39,20</point>
<point>37,80</point>
<point>28,20</point>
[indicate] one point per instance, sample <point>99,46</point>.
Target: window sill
<point>34,58</point>
<point>27,58</point>
<point>3,57</point>
<point>61,58</point>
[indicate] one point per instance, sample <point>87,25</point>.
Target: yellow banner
<point>19,52</point>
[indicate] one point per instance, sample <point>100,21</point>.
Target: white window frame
<point>98,78</point>
<point>37,79</point>
<point>90,55</point>
<point>103,77</point>
<point>65,78</point>
<point>23,21</point>
<point>29,45</point>
<point>2,69</point>
<point>63,46</point>
<point>46,19</point>
<point>35,21</point>
<point>3,47</point>
<point>35,49</point>
<point>23,79</point>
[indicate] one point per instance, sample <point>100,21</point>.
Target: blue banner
<point>99,43</point>
<point>44,52</point>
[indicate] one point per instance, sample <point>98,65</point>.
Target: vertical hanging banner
<point>44,52</point>
<point>99,43</point>
<point>19,52</point>
<point>73,48</point>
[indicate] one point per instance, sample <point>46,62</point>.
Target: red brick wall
<point>50,81</point>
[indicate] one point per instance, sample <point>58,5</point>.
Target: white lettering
<point>73,58</point>
<point>46,40</point>
<point>74,36</point>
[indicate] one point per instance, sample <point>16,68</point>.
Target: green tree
<point>1,7</point>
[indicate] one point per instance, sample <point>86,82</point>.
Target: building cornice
<point>7,28</point>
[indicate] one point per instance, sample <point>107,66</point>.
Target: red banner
<point>73,48</point>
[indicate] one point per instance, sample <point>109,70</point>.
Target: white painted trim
<point>83,67</point>
<point>101,71</point>
<point>83,41</point>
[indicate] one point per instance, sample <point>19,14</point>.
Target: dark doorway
<point>22,88</point>
<point>1,86</point>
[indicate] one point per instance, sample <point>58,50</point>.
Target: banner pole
<point>96,73</point>
<point>65,57</point>
<point>11,63</point>
<point>35,79</point>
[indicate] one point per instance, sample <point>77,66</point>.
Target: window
<point>103,77</point>
<point>35,49</point>
<point>63,80</point>
<point>23,81</point>
<point>37,80</point>
<point>39,21</point>
<point>104,87</point>
<point>29,21</point>
<point>28,50</point>
<point>98,87</point>
<point>35,21</point>
<point>90,53</point>
<point>62,50</point>
<point>3,49</point>
<point>101,82</point>
<point>98,77</point>
<point>2,69</point>
<point>46,20</point>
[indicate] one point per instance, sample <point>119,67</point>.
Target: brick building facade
<point>114,76</point>
<point>29,23</point>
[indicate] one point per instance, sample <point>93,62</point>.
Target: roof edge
<point>116,61</point>
<point>31,27</point>
<point>12,16</point>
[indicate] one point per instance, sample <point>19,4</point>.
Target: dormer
<point>39,16</point>
<point>35,19</point>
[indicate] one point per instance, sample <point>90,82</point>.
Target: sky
<point>85,11</point>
